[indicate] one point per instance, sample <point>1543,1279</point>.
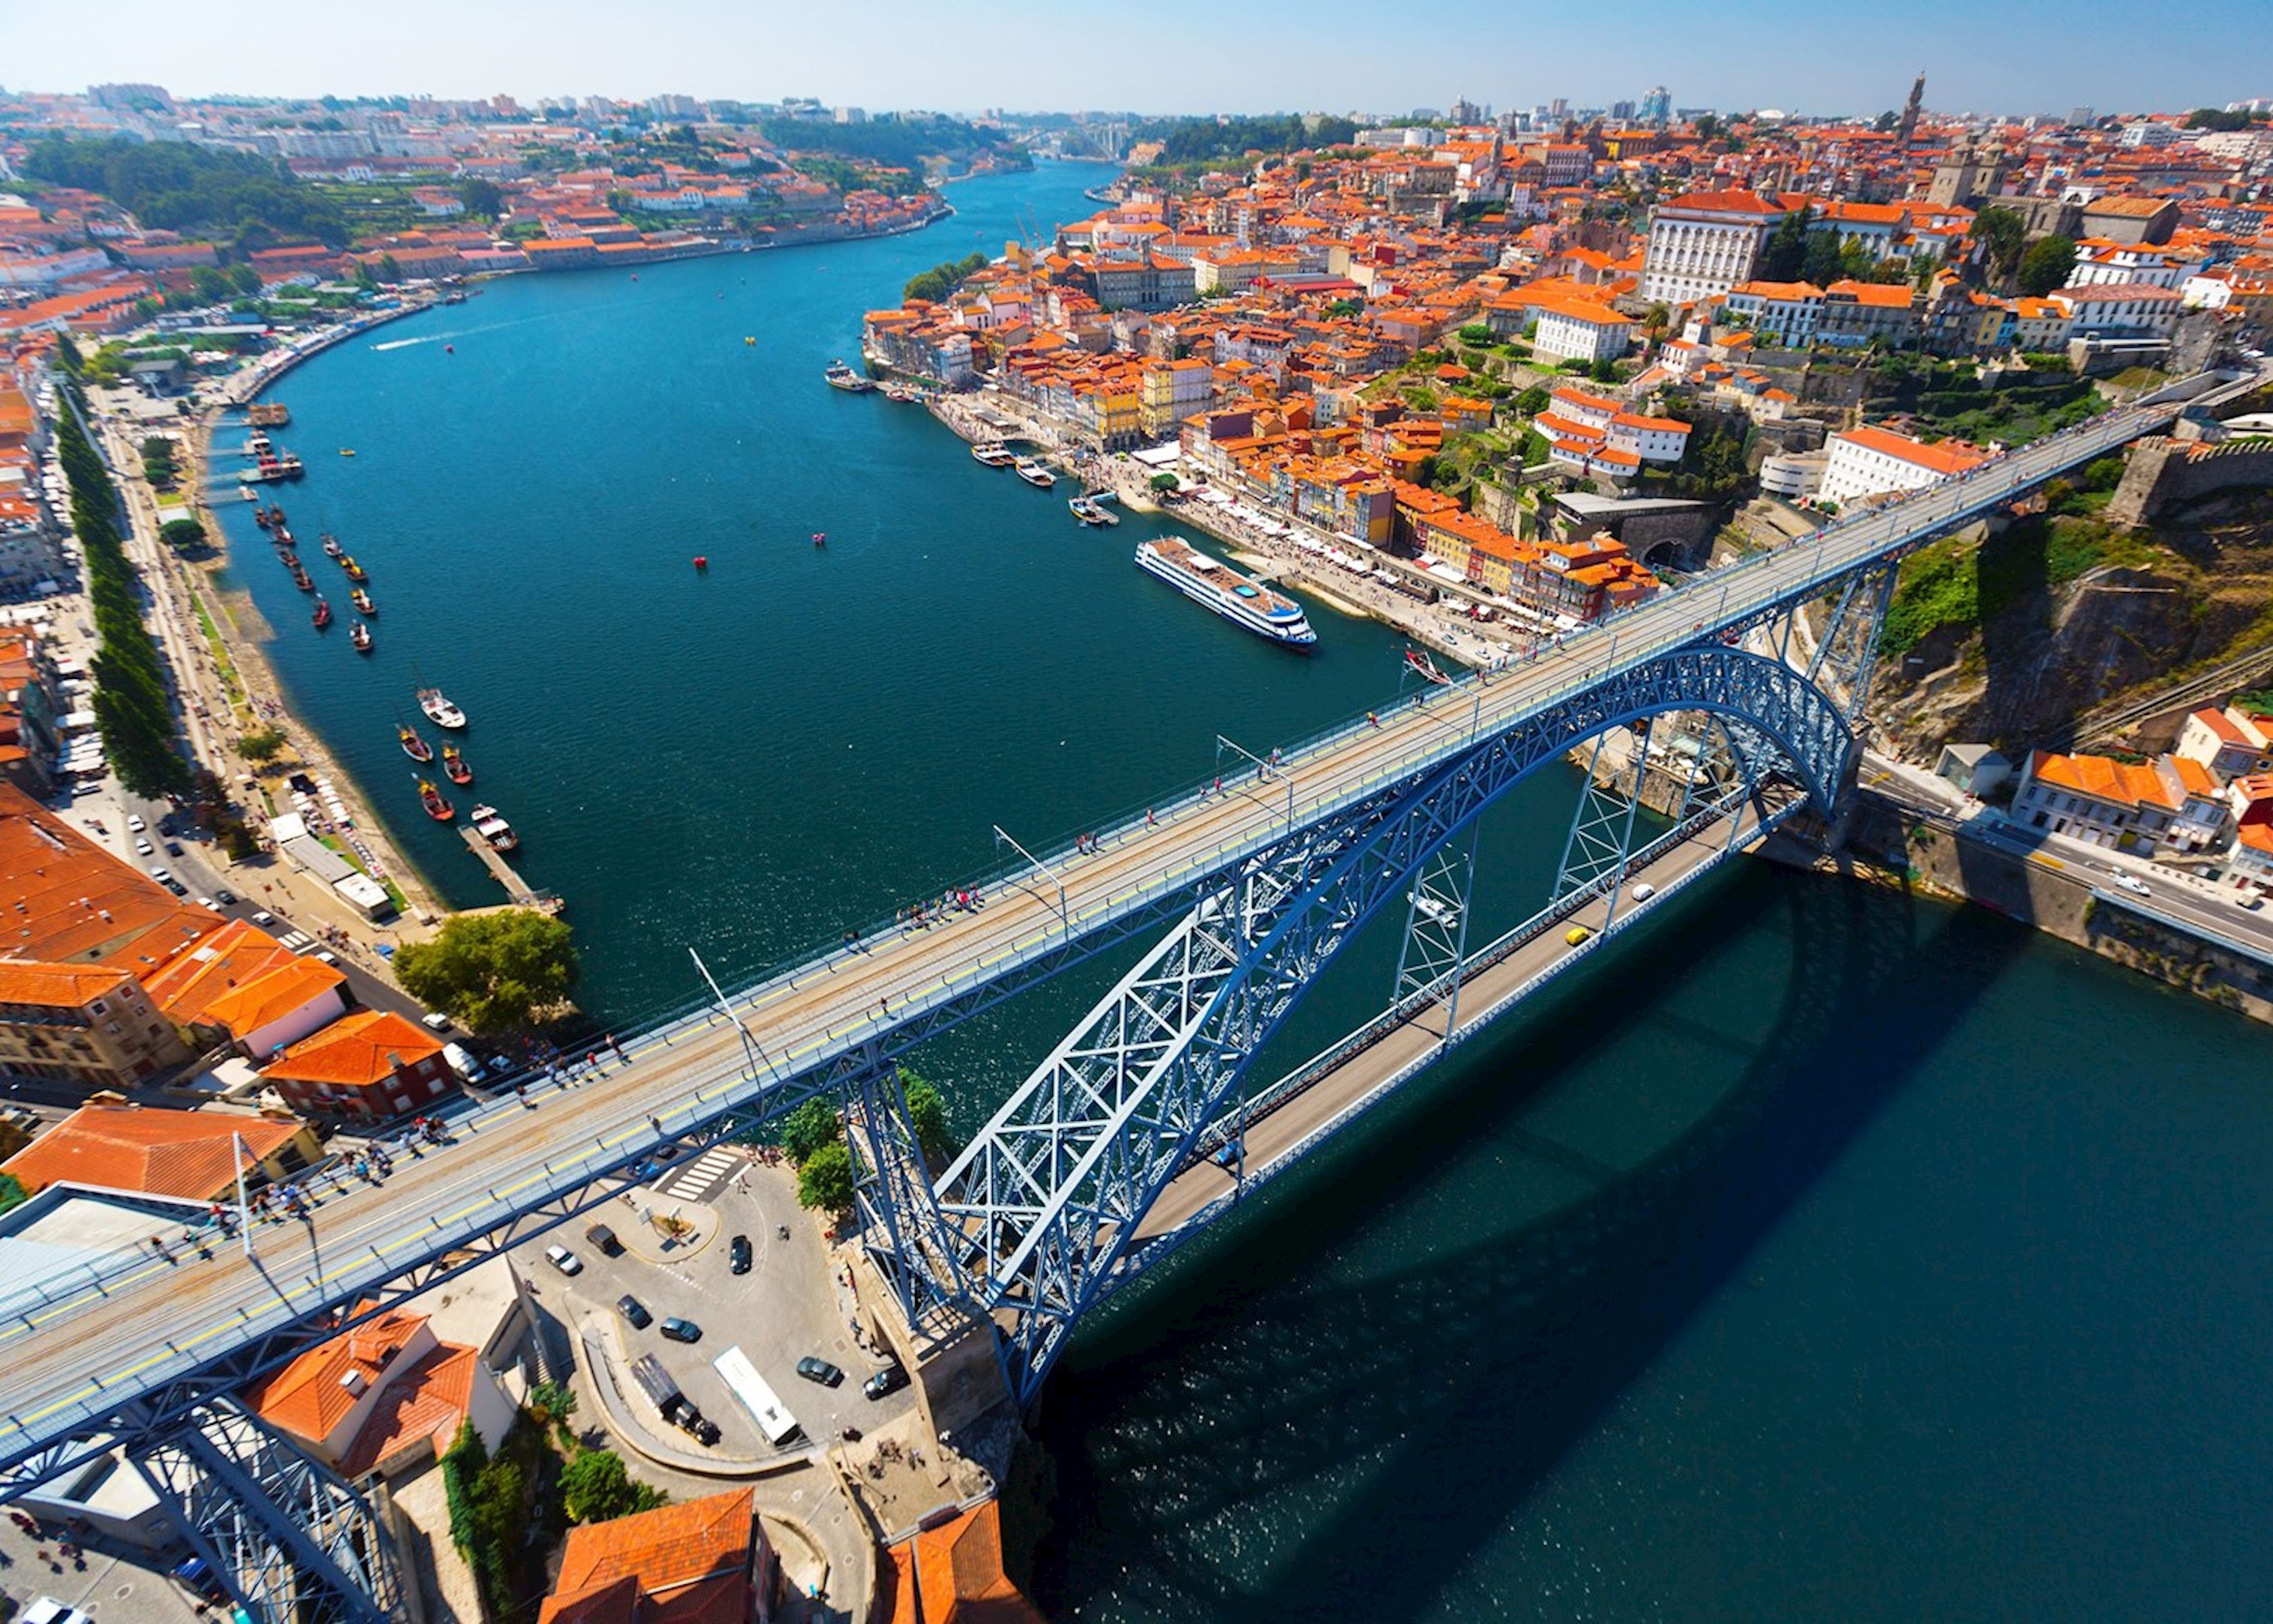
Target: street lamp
<point>1002,837</point>
<point>1262,769</point>
<point>751,1051</point>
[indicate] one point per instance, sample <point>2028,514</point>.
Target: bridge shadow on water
<point>1273,1429</point>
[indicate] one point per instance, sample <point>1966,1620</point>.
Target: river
<point>1815,1253</point>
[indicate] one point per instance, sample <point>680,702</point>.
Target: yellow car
<point>1576,935</point>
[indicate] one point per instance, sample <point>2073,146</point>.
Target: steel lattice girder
<point>291,1539</point>
<point>1046,1201</point>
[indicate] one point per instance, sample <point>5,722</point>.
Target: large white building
<point>1876,461</point>
<point>1574,330</point>
<point>1703,243</point>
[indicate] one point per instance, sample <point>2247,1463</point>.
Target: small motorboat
<point>282,538</point>
<point>995,455</point>
<point>1088,512</point>
<point>332,548</point>
<point>1034,474</point>
<point>839,376</point>
<point>820,538</point>
<point>454,763</point>
<point>438,710</point>
<point>494,829</point>
<point>437,804</point>
<point>323,616</point>
<point>344,451</point>
<point>300,577</point>
<point>416,749</point>
<point>287,558</point>
<point>252,496</point>
<point>361,599</point>
<point>359,634</point>
<point>1425,668</point>
<point>276,513</point>
<point>356,573</point>
<point>701,561</point>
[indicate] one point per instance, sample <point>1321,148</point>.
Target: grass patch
<point>231,683</point>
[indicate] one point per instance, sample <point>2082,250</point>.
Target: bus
<point>773,1417</point>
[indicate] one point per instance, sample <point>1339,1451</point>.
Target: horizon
<point>1342,60</point>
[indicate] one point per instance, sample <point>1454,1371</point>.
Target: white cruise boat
<point>491,827</point>
<point>1034,474</point>
<point>995,455</point>
<point>1237,598</point>
<point>438,710</point>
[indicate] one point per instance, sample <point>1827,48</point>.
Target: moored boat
<point>995,455</point>
<point>323,616</point>
<point>252,496</point>
<point>493,827</point>
<point>840,376</point>
<point>453,762</point>
<point>416,749</point>
<point>1088,512</point>
<point>332,548</point>
<point>1034,474</point>
<point>437,804</point>
<point>356,573</point>
<point>438,710</point>
<point>300,577</point>
<point>361,599</point>
<point>1423,667</point>
<point>1238,599</point>
<point>359,634</point>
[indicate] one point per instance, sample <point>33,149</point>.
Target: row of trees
<point>1798,251</point>
<point>2033,269</point>
<point>201,191</point>
<point>944,278</point>
<point>900,143</point>
<point>132,708</point>
<point>1200,140</point>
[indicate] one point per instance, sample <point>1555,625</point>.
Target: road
<point>156,1321</point>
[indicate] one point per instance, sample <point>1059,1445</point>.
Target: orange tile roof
<point>310,1396</point>
<point>661,1553</point>
<point>953,1574</point>
<point>187,1154</point>
<point>358,1049</point>
<point>235,955</point>
<point>70,901</point>
<point>1947,456</point>
<point>430,1400</point>
<point>55,986</point>
<point>246,1008</point>
<point>2101,777</point>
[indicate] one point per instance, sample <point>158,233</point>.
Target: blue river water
<point>1817,1253</point>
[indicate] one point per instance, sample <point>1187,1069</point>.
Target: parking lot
<point>783,1309</point>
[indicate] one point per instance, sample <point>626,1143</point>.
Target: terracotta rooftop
<point>310,1396</point>
<point>187,1154</point>
<point>246,1008</point>
<point>692,1561</point>
<point>356,1050</point>
<point>69,900</point>
<point>234,956</point>
<point>953,1574</point>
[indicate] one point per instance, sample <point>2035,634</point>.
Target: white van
<point>461,1062</point>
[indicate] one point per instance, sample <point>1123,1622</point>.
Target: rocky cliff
<point>2011,636</point>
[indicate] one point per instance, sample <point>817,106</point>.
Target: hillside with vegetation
<point>2010,637</point>
<point>201,192</point>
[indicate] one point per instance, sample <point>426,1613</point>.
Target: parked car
<point>819,1370</point>
<point>174,885</point>
<point>886,1381</point>
<point>438,1023</point>
<point>262,916</point>
<point>145,849</point>
<point>134,822</point>
<point>209,905</point>
<point>682,1330</point>
<point>605,1238</point>
<point>224,896</point>
<point>566,1261</point>
<point>173,848</point>
<point>737,1254</point>
<point>48,1610</point>
<point>632,1308</point>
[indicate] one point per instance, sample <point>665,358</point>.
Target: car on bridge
<point>634,1311</point>
<point>1576,935</point>
<point>2131,882</point>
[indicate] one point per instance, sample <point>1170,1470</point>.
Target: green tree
<point>808,1128</point>
<point>2046,265</point>
<point>493,973</point>
<point>262,744</point>
<point>182,535</point>
<point>551,1404</point>
<point>2001,233</point>
<point>595,1487</point>
<point>928,1116</point>
<point>481,197</point>
<point>12,1193</point>
<point>1708,127</point>
<point>1166,485</point>
<point>1784,255</point>
<point>1533,401</point>
<point>1605,370</point>
<point>825,1180</point>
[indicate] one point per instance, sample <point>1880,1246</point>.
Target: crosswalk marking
<point>695,1180</point>
<point>296,940</point>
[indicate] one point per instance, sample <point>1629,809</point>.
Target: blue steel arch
<point>1041,1212</point>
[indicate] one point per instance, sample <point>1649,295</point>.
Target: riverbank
<point>1900,845</point>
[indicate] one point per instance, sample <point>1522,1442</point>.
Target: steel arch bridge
<point>1039,1217</point>
<point>1045,1215</point>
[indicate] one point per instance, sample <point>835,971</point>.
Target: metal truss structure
<point>1044,1205</point>
<point>288,1535</point>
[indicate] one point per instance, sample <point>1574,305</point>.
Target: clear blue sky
<point>1177,55</point>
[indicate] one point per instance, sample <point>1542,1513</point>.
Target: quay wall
<point>1890,843</point>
